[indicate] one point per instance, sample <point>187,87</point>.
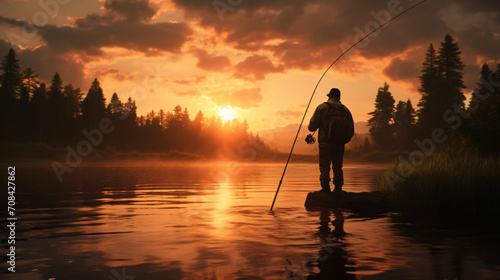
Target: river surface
<point>212,221</point>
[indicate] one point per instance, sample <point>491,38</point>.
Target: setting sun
<point>227,113</point>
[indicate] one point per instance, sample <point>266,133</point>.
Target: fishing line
<point>315,88</point>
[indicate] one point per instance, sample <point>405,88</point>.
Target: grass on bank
<point>454,180</point>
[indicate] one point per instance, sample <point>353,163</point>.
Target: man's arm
<point>315,120</point>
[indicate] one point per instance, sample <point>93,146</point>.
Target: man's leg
<point>324,168</point>
<point>337,160</point>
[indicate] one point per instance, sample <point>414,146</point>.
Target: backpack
<point>339,126</point>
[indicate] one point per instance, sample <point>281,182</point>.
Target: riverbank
<point>21,152</point>
<point>456,180</point>
<point>24,152</point>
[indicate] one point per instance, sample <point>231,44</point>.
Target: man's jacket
<point>319,120</point>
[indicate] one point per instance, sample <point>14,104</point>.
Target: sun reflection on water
<point>223,202</point>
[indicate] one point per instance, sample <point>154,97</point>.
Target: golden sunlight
<point>227,113</point>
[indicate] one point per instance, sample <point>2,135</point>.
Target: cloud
<point>211,62</point>
<point>124,23</point>
<point>115,74</point>
<point>191,81</point>
<point>400,69</point>
<point>255,68</point>
<point>293,34</point>
<point>187,93</point>
<point>290,113</point>
<point>5,47</point>
<point>244,99</point>
<point>45,62</point>
<point>311,34</point>
<point>145,38</point>
<point>132,10</point>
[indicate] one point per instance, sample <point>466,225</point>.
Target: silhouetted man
<point>336,128</point>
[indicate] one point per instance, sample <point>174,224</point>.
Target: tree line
<point>56,114</point>
<point>442,106</point>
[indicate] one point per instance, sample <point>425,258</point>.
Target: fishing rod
<point>317,84</point>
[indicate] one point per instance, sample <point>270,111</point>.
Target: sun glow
<point>227,113</point>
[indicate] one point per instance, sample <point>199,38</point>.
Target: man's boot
<point>325,186</point>
<point>338,188</point>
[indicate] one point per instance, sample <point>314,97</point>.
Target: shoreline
<point>39,152</point>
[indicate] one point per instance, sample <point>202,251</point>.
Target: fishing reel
<point>310,139</point>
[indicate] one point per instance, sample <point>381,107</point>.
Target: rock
<point>366,203</point>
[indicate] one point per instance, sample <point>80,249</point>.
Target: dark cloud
<point>295,34</point>
<point>244,99</point>
<point>124,23</point>
<point>256,67</point>
<point>479,5</point>
<point>46,63</point>
<point>5,47</point>
<point>13,22</point>
<point>211,62</point>
<point>146,38</point>
<point>133,10</point>
<point>404,70</point>
<point>115,74</point>
<point>311,34</point>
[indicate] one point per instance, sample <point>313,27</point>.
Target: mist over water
<point>188,220</point>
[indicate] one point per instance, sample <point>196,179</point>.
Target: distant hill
<point>361,127</point>
<point>281,138</point>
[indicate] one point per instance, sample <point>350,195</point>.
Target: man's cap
<point>334,92</point>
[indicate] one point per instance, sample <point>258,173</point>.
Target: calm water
<point>211,221</point>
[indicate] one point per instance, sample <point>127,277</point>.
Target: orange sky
<point>263,58</point>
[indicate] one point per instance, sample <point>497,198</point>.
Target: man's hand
<point>310,139</point>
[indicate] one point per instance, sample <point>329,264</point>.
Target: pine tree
<point>178,111</point>
<point>441,86</point>
<point>450,68</point>
<point>399,118</point>
<point>24,96</point>
<point>431,82</point>
<point>10,84</point>
<point>380,123</point>
<point>496,78</point>
<point>94,105</point>
<point>430,78</point>
<point>410,114</point>
<point>186,121</point>
<point>57,118</point>
<point>30,81</point>
<point>482,91</point>
<point>115,107</point>
<point>404,119</point>
<point>245,126</point>
<point>73,99</point>
<point>39,112</point>
<point>23,116</point>
<point>10,80</point>
<point>130,111</point>
<point>162,118</point>
<point>198,120</point>
<point>482,128</point>
<point>56,97</point>
<point>29,84</point>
